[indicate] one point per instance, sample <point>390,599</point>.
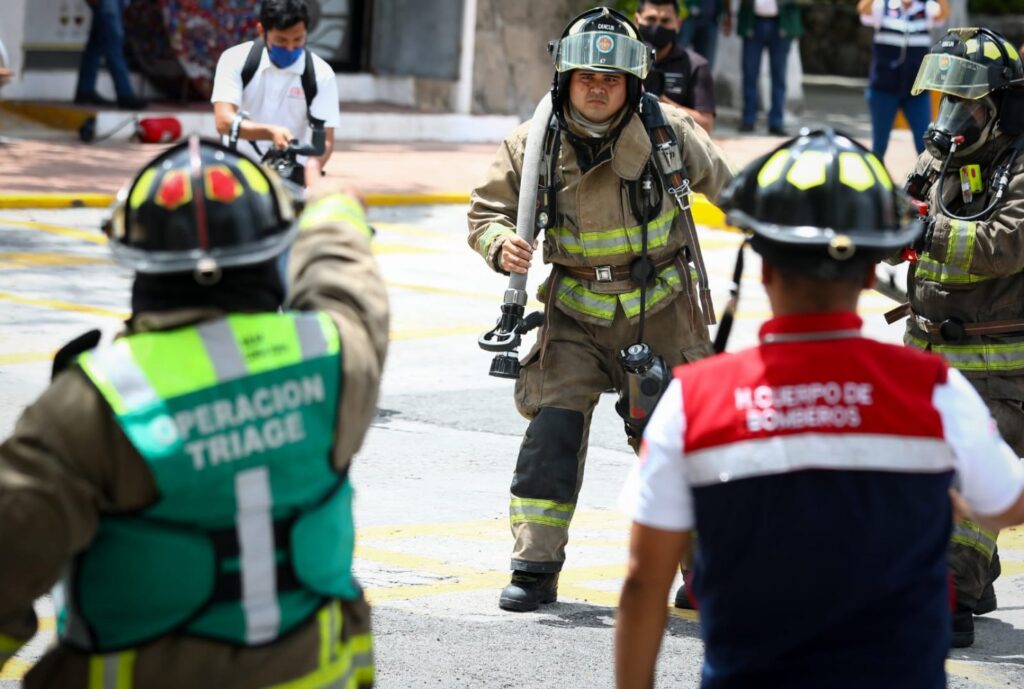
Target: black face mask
<point>657,35</point>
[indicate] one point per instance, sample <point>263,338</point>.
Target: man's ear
<point>767,273</point>
<point>259,30</point>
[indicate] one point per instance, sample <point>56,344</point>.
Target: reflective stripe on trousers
<point>342,665</point>
<point>112,670</point>
<point>976,358</point>
<point>970,535</point>
<point>535,511</point>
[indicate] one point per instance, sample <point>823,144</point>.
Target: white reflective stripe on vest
<point>120,368</point>
<point>784,454</point>
<point>311,335</point>
<point>906,24</point>
<point>222,348</point>
<point>899,40</point>
<point>255,528</point>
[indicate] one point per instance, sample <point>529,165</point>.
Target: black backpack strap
<point>67,354</point>
<point>309,88</point>
<point>252,61</point>
<point>655,123</point>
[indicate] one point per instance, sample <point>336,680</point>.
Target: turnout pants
<point>973,555</point>
<point>579,364</point>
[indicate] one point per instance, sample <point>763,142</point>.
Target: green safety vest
<point>253,531</point>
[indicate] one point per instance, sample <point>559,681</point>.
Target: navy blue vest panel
<point>768,621</point>
<point>899,46</point>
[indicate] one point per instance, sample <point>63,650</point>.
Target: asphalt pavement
<point>433,475</point>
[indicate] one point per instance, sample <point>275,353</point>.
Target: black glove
<point>924,240</point>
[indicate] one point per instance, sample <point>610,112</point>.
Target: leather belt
<point>610,273</point>
<point>955,330</point>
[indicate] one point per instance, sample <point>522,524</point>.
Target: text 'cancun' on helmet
<point>200,207</point>
<point>819,201</point>
<point>600,40</point>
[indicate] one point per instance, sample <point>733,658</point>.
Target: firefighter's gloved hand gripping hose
<point>505,337</point>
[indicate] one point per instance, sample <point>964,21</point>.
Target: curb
<point>55,115</point>
<point>22,201</point>
<point>704,212</point>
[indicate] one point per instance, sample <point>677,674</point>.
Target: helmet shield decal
<point>954,76</point>
<point>158,226</point>
<point>603,51</point>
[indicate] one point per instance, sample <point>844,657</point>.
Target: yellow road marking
<point>15,669</point>
<point>410,230</point>
<point>1011,568</point>
<point>1012,539</point>
<point>29,260</point>
<point>24,357</point>
<point>96,237</point>
<point>976,673</point>
<point>430,333</point>
<point>64,306</point>
<point>493,297</point>
<point>373,533</point>
<point>385,248</point>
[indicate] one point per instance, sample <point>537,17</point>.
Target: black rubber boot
<point>987,602</point>
<point>528,590</point>
<point>683,598</point>
<point>963,627</point>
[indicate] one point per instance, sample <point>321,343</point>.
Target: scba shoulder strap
<point>666,150</point>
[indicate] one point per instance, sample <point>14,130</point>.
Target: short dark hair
<point>674,3</point>
<point>283,14</point>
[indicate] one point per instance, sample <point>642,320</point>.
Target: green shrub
<point>995,6</point>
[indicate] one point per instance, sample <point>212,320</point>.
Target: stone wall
<point>1011,26</point>
<point>836,43</point>
<point>834,40</point>
<point>512,68</point>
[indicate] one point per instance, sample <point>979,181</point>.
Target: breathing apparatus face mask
<point>958,117</point>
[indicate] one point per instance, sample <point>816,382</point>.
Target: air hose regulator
<point>646,374</point>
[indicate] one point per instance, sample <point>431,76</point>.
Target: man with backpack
<point>274,89</point>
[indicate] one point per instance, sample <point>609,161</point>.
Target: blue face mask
<point>282,57</point>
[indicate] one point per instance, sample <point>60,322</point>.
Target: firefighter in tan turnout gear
<point>966,288</point>
<point>613,226</point>
<point>188,481</point>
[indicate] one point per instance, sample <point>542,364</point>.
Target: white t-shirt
<point>766,8</point>
<point>990,477</point>
<point>274,95</point>
<point>931,11</point>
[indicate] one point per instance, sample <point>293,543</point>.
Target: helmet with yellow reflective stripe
<point>200,207</point>
<point>819,201</point>
<point>974,64</point>
<point>970,63</point>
